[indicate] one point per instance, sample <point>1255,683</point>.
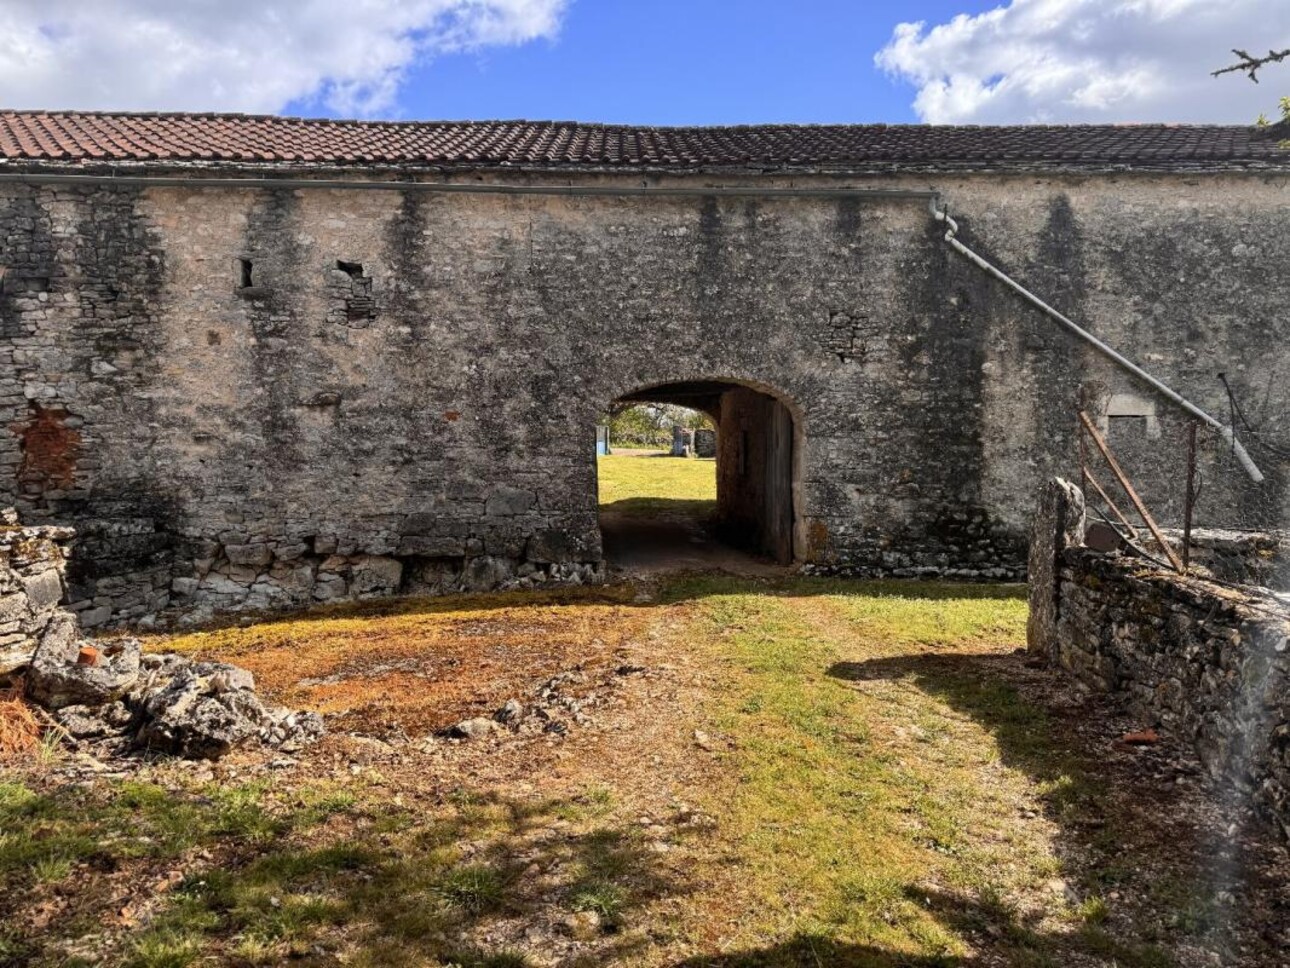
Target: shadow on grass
<point>1000,934</point>
<point>697,511</point>
<point>390,887</point>
<point>1119,832</point>
<point>678,588</point>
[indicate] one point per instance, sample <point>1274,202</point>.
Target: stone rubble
<point>109,692</point>
<point>165,703</point>
<point>559,703</point>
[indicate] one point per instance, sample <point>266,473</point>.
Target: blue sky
<point>648,61</point>
<point>684,62</point>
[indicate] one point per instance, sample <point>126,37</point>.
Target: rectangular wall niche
<point>351,295</point>
<point>1129,410</point>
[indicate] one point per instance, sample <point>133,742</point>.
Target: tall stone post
<point>1058,524</point>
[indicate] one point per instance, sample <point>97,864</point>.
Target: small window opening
<point>1129,422</point>
<point>244,273</point>
<point>352,269</point>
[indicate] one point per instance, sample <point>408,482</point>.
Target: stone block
<point>250,555</point>
<point>15,653</point>
<point>94,617</point>
<point>484,573</point>
<point>430,546</point>
<point>12,607</point>
<point>44,589</point>
<point>184,586</point>
<point>375,575</point>
<point>548,546</point>
<point>509,502</point>
<point>1058,524</point>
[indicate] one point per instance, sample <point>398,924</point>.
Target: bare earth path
<point>710,770</point>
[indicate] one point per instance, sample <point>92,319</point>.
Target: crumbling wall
<point>32,563</point>
<point>1209,663</point>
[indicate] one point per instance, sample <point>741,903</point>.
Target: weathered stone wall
<point>1245,557</point>
<point>1210,663</point>
<point>403,393</point>
<point>32,562</point>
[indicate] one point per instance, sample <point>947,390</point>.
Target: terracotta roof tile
<point>87,137</point>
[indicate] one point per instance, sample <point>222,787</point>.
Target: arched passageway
<point>758,469</point>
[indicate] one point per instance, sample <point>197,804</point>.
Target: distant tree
<point>650,424</point>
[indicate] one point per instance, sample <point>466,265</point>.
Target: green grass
<point>882,768</point>
<point>885,795</point>
<point>651,487</point>
<point>275,873</point>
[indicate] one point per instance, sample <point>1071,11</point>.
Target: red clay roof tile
<point>119,137</point>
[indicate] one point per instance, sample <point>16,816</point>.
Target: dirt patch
<point>417,672</point>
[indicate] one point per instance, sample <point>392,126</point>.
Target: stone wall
<point>259,398</point>
<point>32,562</point>
<point>1208,662</point>
<point>1244,557</point>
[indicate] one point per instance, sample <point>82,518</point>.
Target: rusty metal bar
<point>1083,453</point>
<point>1189,503</point>
<point>1106,499</point>
<point>1136,501</point>
<point>1140,551</point>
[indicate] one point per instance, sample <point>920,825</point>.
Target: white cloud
<point>1054,61</point>
<point>242,55</point>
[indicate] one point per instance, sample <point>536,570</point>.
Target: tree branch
<point>1250,65</point>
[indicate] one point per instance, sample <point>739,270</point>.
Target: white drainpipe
<point>1223,429</point>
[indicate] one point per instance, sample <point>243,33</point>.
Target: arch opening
<point>754,438</point>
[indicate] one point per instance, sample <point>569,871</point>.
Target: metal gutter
<point>1226,432</point>
<point>457,188</point>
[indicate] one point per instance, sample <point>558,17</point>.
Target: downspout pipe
<point>1224,431</point>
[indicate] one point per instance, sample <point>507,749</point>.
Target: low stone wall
<point>1207,662</point>
<point>32,562</point>
<point>1246,557</point>
<point>271,576</point>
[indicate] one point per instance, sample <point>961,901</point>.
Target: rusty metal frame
<point>1189,501</point>
<point>1123,479</point>
<point>1115,509</point>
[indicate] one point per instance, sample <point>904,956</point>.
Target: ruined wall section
<point>80,305</point>
<point>402,396</point>
<point>32,565</point>
<point>1208,662</point>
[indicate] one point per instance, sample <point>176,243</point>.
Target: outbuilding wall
<point>422,417</point>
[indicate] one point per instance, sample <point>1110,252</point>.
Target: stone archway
<point>759,460</point>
